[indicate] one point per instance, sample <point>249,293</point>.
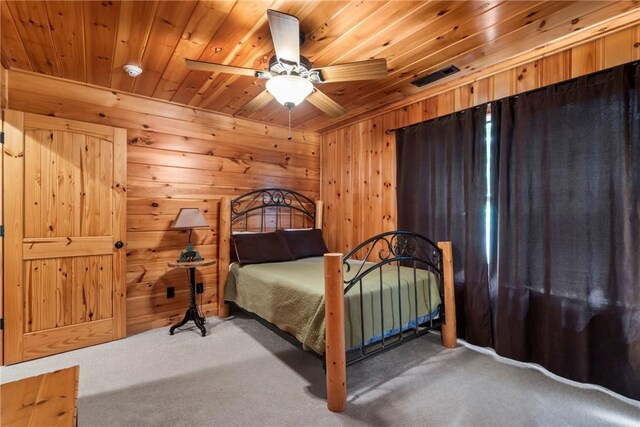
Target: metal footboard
<point>398,254</point>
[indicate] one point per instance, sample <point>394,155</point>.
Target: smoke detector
<point>132,70</point>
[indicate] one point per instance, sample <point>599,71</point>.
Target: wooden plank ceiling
<point>91,41</point>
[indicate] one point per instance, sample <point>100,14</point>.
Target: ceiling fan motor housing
<point>303,70</point>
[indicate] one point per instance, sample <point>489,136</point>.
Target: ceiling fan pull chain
<point>289,137</point>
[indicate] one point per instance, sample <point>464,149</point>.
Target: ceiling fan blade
<point>212,67</point>
<point>257,103</point>
<point>326,104</point>
<point>285,32</point>
<point>364,70</point>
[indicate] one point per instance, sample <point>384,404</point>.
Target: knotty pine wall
<point>359,160</point>
<point>3,86</point>
<point>3,103</point>
<point>177,157</point>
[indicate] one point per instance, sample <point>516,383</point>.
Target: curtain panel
<point>566,279</point>
<point>442,185</point>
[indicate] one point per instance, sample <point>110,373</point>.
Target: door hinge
<point>1,230</point>
<point>1,323</point>
<point>1,137</point>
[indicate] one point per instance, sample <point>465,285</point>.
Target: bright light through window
<point>488,195</point>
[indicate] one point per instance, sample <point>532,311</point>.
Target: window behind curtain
<point>442,185</point>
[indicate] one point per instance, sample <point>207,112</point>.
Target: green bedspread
<point>291,296</point>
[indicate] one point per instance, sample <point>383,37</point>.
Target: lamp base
<point>190,255</point>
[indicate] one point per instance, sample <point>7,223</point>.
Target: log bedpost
<point>449,334</point>
<point>335,354</point>
<point>224,238</point>
<point>319,206</point>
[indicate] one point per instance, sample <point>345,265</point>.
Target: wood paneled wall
<point>177,157</point>
<point>358,160</point>
<point>3,103</point>
<point>3,87</point>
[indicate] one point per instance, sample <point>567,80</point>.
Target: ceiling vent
<point>440,74</point>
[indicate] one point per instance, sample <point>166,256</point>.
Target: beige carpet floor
<point>242,374</point>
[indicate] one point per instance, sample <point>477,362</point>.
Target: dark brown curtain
<point>442,194</point>
<point>568,229</point>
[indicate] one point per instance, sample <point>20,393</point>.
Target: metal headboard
<point>292,210</point>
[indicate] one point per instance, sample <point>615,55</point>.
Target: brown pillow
<point>233,256</point>
<point>306,243</point>
<point>261,247</point>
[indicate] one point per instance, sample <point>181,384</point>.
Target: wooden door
<point>65,205</point>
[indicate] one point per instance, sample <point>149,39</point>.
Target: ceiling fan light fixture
<point>289,89</point>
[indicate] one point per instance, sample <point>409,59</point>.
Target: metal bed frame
<point>399,249</point>
<point>393,249</point>
<point>275,198</point>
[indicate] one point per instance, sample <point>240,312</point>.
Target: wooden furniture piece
<point>265,209</point>
<point>192,312</point>
<point>45,400</point>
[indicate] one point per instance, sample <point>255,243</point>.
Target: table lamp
<point>189,218</point>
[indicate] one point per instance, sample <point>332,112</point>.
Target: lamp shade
<point>189,218</point>
<point>288,89</point>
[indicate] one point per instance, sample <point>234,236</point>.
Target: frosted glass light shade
<point>189,218</point>
<point>289,89</point>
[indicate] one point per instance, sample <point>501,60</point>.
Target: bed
<point>295,301</point>
<point>391,288</point>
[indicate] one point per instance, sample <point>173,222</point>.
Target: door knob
<point>119,244</point>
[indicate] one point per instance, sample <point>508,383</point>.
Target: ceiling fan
<point>291,78</point>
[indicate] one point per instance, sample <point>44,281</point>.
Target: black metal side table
<point>192,312</point>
